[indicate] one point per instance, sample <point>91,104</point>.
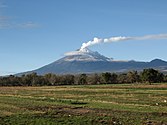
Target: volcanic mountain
<point>87,61</point>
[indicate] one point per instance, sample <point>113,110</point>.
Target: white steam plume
<point>120,38</point>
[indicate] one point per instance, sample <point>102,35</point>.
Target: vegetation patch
<point>115,104</point>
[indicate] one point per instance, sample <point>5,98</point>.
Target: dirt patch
<point>64,110</point>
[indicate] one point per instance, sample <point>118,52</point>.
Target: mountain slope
<point>87,61</point>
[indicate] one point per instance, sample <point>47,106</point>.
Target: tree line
<point>146,76</point>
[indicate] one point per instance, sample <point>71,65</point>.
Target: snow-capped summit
<point>84,54</point>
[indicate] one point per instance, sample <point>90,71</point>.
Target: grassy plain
<point>115,104</point>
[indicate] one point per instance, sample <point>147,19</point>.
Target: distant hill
<point>87,61</point>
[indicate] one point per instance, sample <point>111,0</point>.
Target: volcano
<point>87,61</point>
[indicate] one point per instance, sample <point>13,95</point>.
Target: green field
<point>121,104</point>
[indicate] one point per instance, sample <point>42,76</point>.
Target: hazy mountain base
<point>77,67</point>
<point>98,104</point>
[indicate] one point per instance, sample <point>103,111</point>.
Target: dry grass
<point>127,103</point>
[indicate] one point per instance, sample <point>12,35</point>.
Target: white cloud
<point>28,25</point>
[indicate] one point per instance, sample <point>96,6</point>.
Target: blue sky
<point>34,33</point>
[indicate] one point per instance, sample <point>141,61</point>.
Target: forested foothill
<point>146,76</point>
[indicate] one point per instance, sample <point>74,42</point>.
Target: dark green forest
<point>146,76</point>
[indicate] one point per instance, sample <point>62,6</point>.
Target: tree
<point>82,79</point>
<point>132,77</point>
<point>33,80</point>
<point>26,80</point>
<point>113,78</point>
<point>51,79</point>
<point>110,78</point>
<point>151,76</point>
<point>106,77</point>
<point>67,80</point>
<point>160,77</point>
<point>122,78</point>
<point>94,79</point>
<point>165,78</point>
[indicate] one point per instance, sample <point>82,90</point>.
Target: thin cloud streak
<point>2,5</point>
<point>28,25</point>
<point>7,22</point>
